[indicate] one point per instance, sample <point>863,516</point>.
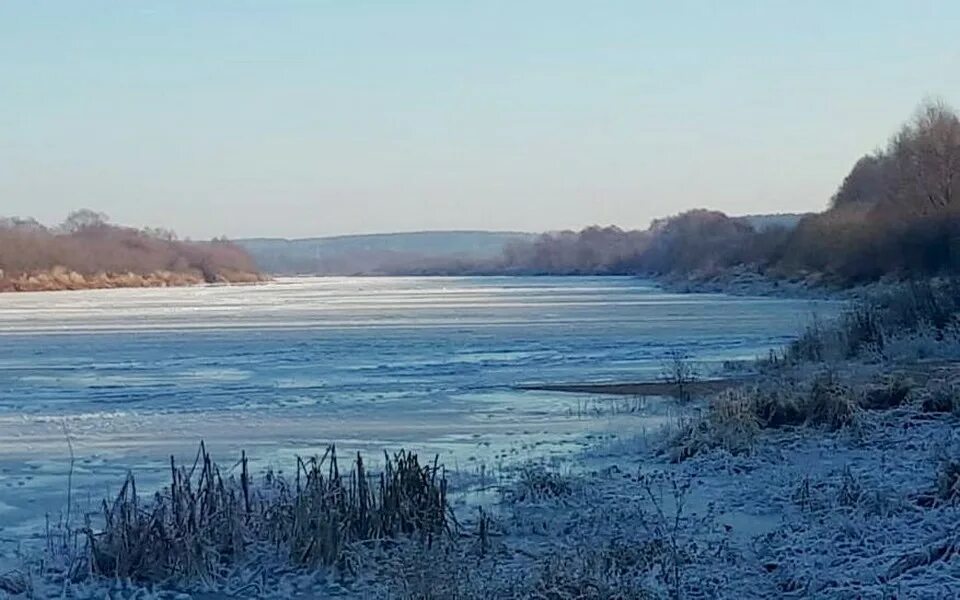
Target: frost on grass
<point>535,483</point>
<point>607,535</point>
<point>861,526</point>
<point>208,528</point>
<point>942,396</point>
<point>734,419</point>
<point>610,536</point>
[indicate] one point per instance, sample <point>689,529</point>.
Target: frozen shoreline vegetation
<point>834,474</point>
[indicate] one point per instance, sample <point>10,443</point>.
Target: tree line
<point>88,244</point>
<point>895,215</point>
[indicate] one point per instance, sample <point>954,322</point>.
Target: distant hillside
<point>371,254</point>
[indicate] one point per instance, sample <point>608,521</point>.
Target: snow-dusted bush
<point>831,404</point>
<point>924,343</point>
<point>942,396</point>
<point>778,404</point>
<point>730,423</point>
<point>734,418</point>
<point>892,392</point>
<point>536,483</point>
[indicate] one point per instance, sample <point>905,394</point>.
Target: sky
<point>294,119</point>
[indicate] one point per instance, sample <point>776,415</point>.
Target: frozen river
<point>429,364</point>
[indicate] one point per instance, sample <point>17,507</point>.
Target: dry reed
<point>205,521</point>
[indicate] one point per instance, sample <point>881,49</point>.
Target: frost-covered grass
<point>733,420</point>
<point>848,515</point>
<point>829,376</point>
<point>812,512</point>
<point>607,535</point>
<point>207,527</point>
<point>908,321</point>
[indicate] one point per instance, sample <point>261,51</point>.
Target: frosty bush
<point>831,404</point>
<point>734,418</point>
<point>942,396</point>
<point>730,423</point>
<point>892,392</point>
<point>536,483</point>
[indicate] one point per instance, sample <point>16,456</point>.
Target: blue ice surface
<point>400,340</point>
<point>369,363</point>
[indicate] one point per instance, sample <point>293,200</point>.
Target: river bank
<point>744,281</point>
<point>63,279</point>
<point>866,510</point>
<point>693,387</point>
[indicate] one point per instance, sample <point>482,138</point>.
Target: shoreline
<point>747,282</point>
<point>735,283</point>
<point>640,388</point>
<point>62,280</point>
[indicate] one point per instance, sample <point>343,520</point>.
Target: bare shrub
<point>851,492</point>
<point>668,495</point>
<point>677,371</point>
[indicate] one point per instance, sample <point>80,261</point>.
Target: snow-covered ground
<point>133,375</point>
<point>807,513</point>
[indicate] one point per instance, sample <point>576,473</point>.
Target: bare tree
<point>83,219</point>
<point>926,154</point>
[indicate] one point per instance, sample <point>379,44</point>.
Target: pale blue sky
<point>309,118</point>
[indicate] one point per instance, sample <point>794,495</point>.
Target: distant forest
<point>87,244</point>
<point>895,215</point>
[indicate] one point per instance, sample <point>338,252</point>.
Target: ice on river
<point>429,364</point>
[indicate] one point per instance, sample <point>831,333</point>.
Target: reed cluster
<point>208,519</point>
